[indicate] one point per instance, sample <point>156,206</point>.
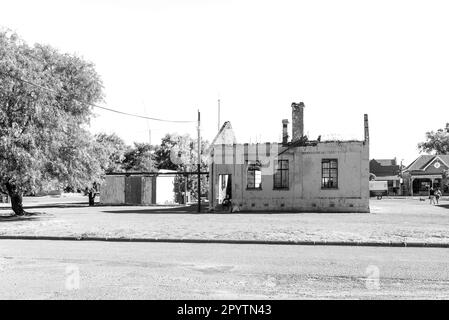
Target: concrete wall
<point>304,192</point>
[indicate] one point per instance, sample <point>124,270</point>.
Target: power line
<point>95,105</point>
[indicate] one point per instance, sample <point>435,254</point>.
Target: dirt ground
<point>407,219</point>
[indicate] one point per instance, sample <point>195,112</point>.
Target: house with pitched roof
<point>425,172</point>
<point>387,170</point>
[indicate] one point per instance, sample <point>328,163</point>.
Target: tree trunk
<point>91,199</point>
<point>16,200</point>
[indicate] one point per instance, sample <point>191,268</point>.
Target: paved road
<point>49,269</point>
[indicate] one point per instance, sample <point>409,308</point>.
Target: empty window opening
<point>329,174</point>
<point>281,175</point>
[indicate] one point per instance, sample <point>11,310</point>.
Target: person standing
<point>432,195</point>
<point>438,194</point>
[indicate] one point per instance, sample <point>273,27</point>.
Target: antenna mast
<point>219,114</point>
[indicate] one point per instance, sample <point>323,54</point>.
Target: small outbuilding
<point>138,188</point>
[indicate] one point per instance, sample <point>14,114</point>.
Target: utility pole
<point>199,162</point>
<point>401,180</point>
<point>185,187</point>
<point>219,114</point>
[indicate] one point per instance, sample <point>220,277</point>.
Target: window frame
<point>256,166</point>
<point>326,173</point>
<point>284,172</point>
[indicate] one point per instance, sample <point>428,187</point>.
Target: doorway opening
<point>224,188</point>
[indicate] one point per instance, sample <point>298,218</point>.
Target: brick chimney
<point>366,127</point>
<point>297,120</point>
<point>285,131</point>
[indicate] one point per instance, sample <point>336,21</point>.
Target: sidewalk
<point>242,241</point>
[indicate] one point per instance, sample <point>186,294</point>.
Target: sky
<point>170,58</point>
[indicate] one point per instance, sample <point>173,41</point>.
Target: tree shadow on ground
<point>159,210</point>
<point>445,206</point>
<point>29,216</point>
<point>193,209</point>
<point>18,218</point>
<point>52,205</point>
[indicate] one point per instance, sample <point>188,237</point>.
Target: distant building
<point>387,170</point>
<point>294,175</point>
<point>425,172</point>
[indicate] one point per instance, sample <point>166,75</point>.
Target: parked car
<point>4,198</point>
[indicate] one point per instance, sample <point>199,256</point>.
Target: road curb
<point>224,241</point>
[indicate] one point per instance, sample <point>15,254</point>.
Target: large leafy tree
<point>179,153</point>
<point>140,158</point>
<point>437,142</point>
<point>180,146</point>
<point>109,153</point>
<point>113,150</point>
<point>43,126</point>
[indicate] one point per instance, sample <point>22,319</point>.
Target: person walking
<point>432,195</point>
<point>438,194</point>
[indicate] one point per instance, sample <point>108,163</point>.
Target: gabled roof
<point>424,160</point>
<point>224,136</point>
<point>433,160</point>
<point>384,167</point>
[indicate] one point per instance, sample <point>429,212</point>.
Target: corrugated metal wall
<point>133,190</point>
<point>137,190</point>
<point>147,190</point>
<point>113,190</point>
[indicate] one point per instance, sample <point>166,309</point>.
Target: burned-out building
<point>294,175</point>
